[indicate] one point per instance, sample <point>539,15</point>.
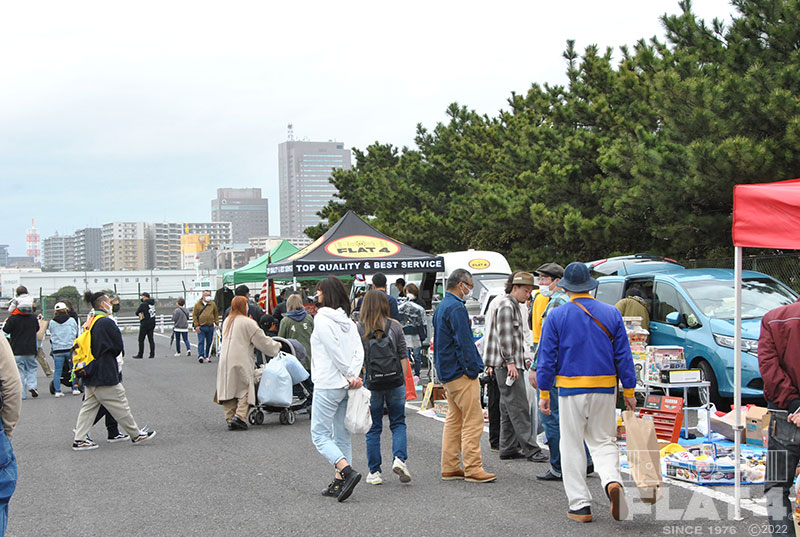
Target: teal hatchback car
<point>694,308</point>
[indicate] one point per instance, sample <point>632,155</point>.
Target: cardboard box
<point>724,425</point>
<point>756,425</point>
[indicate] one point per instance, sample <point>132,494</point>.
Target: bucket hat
<point>577,278</point>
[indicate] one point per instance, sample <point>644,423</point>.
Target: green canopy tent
<point>256,270</point>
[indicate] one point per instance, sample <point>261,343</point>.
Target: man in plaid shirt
<point>505,354</point>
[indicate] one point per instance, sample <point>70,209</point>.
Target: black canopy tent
<point>352,246</point>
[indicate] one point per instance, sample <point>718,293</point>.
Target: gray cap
<point>554,270</point>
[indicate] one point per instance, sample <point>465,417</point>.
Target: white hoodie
<point>336,350</point>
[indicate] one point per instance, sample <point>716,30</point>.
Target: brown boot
<point>481,476</point>
<point>619,508</point>
<point>452,476</point>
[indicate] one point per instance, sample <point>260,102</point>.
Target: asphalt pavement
<point>197,478</point>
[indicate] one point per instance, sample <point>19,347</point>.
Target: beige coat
<point>237,364</point>
<point>11,386</point>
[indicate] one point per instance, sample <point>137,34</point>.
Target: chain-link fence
<point>783,267</point>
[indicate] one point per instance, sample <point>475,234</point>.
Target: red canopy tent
<point>765,215</point>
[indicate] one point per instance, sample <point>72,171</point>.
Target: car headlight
<point>748,345</point>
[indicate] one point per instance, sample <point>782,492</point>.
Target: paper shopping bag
<point>411,389</point>
<point>643,456</point>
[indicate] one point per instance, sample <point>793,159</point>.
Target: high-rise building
<point>3,255</point>
<point>58,252</point>
<point>165,240</point>
<point>245,209</point>
<point>81,251</point>
<point>304,170</point>
<point>88,249</point>
<point>126,246</point>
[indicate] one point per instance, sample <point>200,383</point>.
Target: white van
<point>489,273</point>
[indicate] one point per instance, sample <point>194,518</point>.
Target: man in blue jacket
<point>458,365</point>
<point>583,351</point>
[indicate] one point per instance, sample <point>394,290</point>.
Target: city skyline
<point>98,124</point>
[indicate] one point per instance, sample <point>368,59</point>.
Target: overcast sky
<point>140,110</point>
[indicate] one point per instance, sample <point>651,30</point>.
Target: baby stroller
<point>285,386</point>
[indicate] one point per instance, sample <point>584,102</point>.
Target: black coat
<point>106,346</point>
<point>22,328</point>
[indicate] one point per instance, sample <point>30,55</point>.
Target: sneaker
<point>619,508</point>
<point>208,360</point>
<point>188,353</point>
<point>34,392</point>
<point>200,359</point>
<point>351,479</point>
<point>137,357</point>
<point>84,445</point>
<point>59,394</point>
<point>143,436</point>
<point>399,467</point>
<point>76,391</point>
<point>333,488</point>
<point>176,354</point>
<point>584,514</point>
<point>374,478</point>
<point>119,438</point>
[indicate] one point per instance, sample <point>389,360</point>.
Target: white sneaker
<point>59,394</point>
<point>188,353</point>
<point>374,479</point>
<point>400,468</point>
<point>76,392</point>
<point>177,354</point>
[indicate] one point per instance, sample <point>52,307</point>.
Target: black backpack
<point>384,370</point>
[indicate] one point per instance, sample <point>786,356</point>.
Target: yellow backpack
<point>83,359</point>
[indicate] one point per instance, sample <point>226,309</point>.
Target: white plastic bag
<point>358,419</point>
<point>275,388</point>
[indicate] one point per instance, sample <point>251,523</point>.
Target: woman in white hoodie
<point>336,359</point>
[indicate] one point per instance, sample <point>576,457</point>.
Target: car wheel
<point>707,373</point>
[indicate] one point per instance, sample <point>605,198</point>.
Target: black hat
<point>145,294</point>
<point>577,278</point>
<point>242,290</point>
<point>554,270</point>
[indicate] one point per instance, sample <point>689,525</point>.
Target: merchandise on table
<point>663,358</point>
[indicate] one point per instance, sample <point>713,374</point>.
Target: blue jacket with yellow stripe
<point>577,356</point>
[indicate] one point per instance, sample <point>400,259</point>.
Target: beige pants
<point>236,407</point>
<point>463,426</point>
<point>115,401</point>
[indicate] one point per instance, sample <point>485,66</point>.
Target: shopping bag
<point>411,389</point>
<point>275,388</point>
<point>358,419</point>
<point>643,456</point>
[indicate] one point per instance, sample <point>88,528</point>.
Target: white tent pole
<point>737,381</point>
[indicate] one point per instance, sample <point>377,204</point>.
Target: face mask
<point>207,298</point>
<point>114,308</point>
<point>466,294</point>
<point>546,291</point>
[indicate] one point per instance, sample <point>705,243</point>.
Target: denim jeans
<point>27,372</point>
<point>205,338</point>
<point>185,336</point>
<point>8,477</point>
<point>395,401</point>
<point>331,439</point>
<point>553,432</point>
<point>417,353</point>
<point>58,359</point>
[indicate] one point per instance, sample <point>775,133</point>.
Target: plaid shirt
<point>505,341</point>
